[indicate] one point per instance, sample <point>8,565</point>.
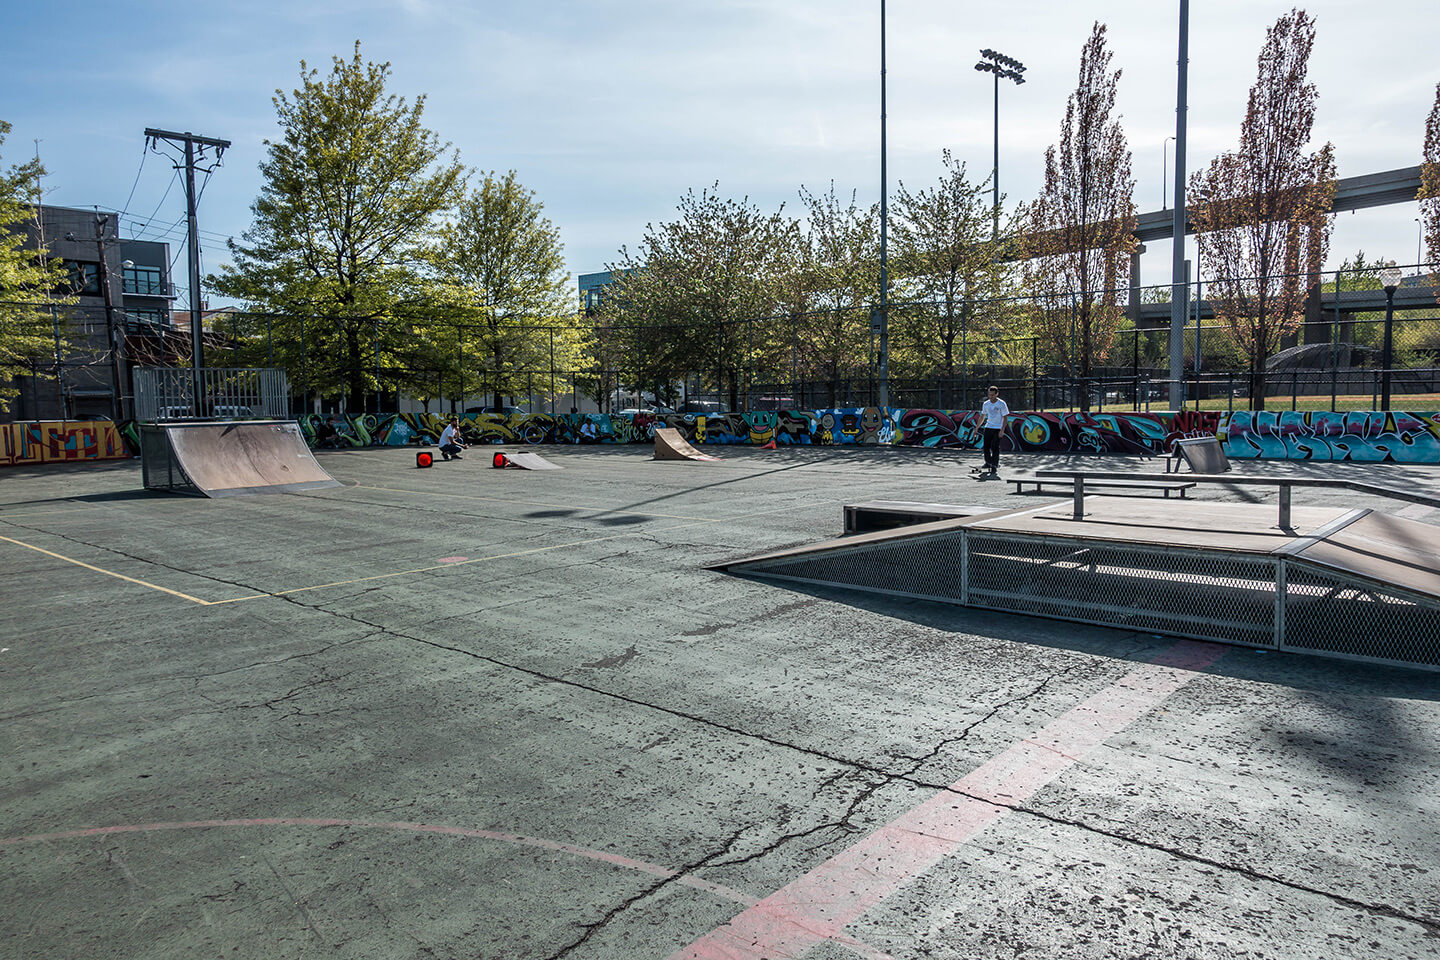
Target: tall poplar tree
<point>1080,232</point>
<point>1262,209</point>
<point>1430,186</point>
<point>344,223</point>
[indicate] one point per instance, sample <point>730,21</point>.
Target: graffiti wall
<point>1282,435</point>
<point>1132,433</point>
<point>1360,436</point>
<point>63,441</point>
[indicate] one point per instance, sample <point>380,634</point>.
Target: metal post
<point>1284,506</point>
<point>884,231</point>
<point>1178,290</point>
<point>995,167</point>
<point>1387,351</point>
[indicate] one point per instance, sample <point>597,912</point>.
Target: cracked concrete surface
<point>625,748</point>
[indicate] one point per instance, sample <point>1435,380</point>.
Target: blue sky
<point>610,110</point>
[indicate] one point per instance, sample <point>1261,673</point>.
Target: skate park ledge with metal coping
<point>1353,584</point>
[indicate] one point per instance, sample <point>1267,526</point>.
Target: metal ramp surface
<point>228,459</point>
<point>1352,584</point>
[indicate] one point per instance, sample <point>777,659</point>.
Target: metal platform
<point>220,459</point>
<point>1342,583</point>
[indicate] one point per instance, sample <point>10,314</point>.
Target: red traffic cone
<point>769,446</point>
<point>424,458</point>
<point>500,461</point>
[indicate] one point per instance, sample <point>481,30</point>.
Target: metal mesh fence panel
<point>1213,596</point>
<point>1347,618</point>
<point>925,567</point>
<point>158,466</point>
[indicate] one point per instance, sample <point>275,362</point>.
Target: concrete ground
<point>466,712</point>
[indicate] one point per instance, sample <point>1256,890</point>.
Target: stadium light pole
<point>998,65</point>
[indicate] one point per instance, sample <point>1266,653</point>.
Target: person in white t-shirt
<point>993,412</point>
<point>450,440</point>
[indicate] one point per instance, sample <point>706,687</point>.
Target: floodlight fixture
<point>999,66</point>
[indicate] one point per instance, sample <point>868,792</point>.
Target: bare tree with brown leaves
<point>1430,188</point>
<point>1078,235</point>
<point>1261,208</point>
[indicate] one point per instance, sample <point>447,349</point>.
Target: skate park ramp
<point>670,445</point>
<point>229,459</point>
<point>1202,454</point>
<point>529,461</point>
<point>1354,584</point>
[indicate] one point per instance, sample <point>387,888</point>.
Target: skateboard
<point>984,473</point>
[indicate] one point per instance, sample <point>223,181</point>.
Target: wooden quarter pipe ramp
<point>228,459</point>
<point>670,445</point>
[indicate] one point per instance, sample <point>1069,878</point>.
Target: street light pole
<point>884,231</point>
<point>998,65</point>
<point>1165,174</point>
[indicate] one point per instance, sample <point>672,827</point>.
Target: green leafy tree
<point>843,257</point>
<point>948,261</point>
<point>344,226</point>
<point>688,296</point>
<point>505,263</point>
<point>28,278</point>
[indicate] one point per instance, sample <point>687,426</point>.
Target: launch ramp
<point>1354,584</point>
<point>670,445</point>
<point>228,459</point>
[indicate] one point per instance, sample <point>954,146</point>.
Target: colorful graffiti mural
<point>1360,436</point>
<point>1143,434</point>
<point>64,441</point>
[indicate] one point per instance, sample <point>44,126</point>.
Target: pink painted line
<point>601,856</point>
<point>818,906</point>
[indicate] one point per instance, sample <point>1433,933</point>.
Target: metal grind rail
<point>1284,483</point>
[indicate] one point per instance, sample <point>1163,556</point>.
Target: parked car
<point>500,411</point>
<point>651,410</point>
<point>709,408</point>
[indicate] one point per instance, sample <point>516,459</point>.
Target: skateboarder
<point>993,411</point>
<point>450,441</point>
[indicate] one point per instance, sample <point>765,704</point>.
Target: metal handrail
<point>1284,483</point>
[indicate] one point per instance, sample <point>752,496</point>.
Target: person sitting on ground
<point>587,431</point>
<point>327,437</point>
<point>450,440</point>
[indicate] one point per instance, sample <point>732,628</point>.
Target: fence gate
<point>226,393</point>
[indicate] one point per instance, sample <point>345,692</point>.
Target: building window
<point>81,278</point>
<point>144,281</point>
<point>144,320</point>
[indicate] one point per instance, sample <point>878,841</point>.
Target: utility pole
<point>116,409</point>
<point>1179,288</point>
<point>188,141</point>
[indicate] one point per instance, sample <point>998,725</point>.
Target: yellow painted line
<point>538,503</point>
<point>108,573</point>
<point>46,513</point>
<point>432,567</point>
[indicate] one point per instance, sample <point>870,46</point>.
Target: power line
<point>143,154</point>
